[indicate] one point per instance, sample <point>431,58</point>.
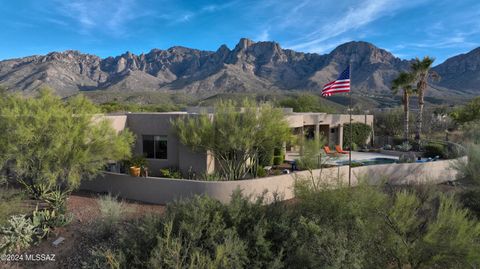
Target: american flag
<point>342,84</point>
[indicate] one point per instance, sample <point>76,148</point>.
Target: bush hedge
<point>278,160</point>
<point>266,158</point>
<point>435,149</point>
<point>279,156</point>
<point>471,200</point>
<point>360,133</point>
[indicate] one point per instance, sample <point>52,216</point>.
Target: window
<point>155,146</point>
<point>332,130</point>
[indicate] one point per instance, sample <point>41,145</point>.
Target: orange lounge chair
<point>328,151</point>
<point>340,150</point>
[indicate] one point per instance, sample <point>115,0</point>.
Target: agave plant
<point>17,234</point>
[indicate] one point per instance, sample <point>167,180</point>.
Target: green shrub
<point>170,173</point>
<point>266,157</point>
<point>137,160</point>
<point>17,234</point>
<point>471,132</point>
<point>360,133</point>
<point>173,252</point>
<point>313,155</point>
<point>354,146</point>
<point>279,156</point>
<point>470,199</point>
<point>215,176</point>
<point>306,103</point>
<point>278,160</point>
<point>112,212</point>
<point>434,149</point>
<point>104,258</point>
<point>467,113</point>
<point>261,172</point>
<point>470,169</point>
<point>361,227</point>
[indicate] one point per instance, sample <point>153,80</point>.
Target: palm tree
<point>421,72</point>
<point>404,81</point>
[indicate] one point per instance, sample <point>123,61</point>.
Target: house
<point>156,140</point>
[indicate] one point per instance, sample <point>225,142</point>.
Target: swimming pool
<point>372,161</point>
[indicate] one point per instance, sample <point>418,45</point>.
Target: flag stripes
<point>341,85</point>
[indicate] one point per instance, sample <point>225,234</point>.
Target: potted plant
<point>135,165</point>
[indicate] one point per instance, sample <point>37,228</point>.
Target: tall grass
<point>469,170</point>
<point>112,212</point>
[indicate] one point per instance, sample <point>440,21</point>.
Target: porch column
<point>340,135</point>
<point>317,131</point>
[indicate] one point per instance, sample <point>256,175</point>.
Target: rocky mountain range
<point>248,67</point>
<point>461,72</point>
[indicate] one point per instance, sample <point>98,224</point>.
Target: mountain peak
<point>352,46</point>
<point>461,72</point>
<point>244,43</point>
<point>251,66</point>
<point>223,48</point>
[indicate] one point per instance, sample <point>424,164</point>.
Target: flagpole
<point>351,130</point>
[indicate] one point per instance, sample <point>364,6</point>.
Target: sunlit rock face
<point>248,67</point>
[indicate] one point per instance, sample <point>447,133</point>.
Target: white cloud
<point>109,16</point>
<point>183,16</point>
<point>263,36</point>
<point>325,47</point>
<point>356,17</point>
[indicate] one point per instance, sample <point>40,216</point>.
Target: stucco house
<point>156,139</point>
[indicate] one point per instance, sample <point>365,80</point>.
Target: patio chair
<point>340,150</point>
<point>328,151</point>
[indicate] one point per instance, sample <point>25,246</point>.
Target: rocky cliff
<point>248,67</point>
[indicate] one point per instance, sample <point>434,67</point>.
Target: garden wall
<point>163,190</point>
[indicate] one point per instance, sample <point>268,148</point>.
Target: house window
<point>155,146</point>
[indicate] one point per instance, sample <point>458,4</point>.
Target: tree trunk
<point>406,110</point>
<point>421,103</point>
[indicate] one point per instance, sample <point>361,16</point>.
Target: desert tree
<point>50,141</point>
<point>235,136</point>
<point>404,81</point>
<point>422,73</point>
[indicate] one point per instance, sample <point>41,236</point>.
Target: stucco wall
<point>162,190</point>
<point>160,124</point>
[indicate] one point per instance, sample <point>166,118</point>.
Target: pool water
<point>372,161</point>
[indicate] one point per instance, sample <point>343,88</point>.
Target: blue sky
<point>439,28</point>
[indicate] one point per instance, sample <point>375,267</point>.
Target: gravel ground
<point>70,252</point>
